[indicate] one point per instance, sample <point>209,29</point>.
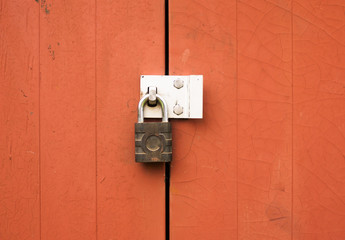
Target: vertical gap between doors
<point>39,119</point>
<point>167,165</point>
<point>292,120</point>
<point>96,126</point>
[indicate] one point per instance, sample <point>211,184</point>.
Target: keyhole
<point>153,143</point>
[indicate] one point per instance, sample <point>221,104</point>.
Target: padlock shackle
<point>160,100</point>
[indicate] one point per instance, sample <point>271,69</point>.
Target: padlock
<point>153,140</point>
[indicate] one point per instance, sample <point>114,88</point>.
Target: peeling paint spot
<point>276,219</point>
<point>185,55</point>
<point>44,6</point>
<point>51,52</point>
<point>132,104</point>
<point>23,93</point>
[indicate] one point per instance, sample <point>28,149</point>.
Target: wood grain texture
<point>319,120</point>
<point>266,162</point>
<point>264,119</point>
<point>19,128</point>
<point>203,190</point>
<point>67,121</point>
<point>131,196</point>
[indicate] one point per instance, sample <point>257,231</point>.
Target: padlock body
<point>153,142</point>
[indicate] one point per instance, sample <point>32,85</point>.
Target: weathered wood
<point>19,120</point>
<point>67,121</point>
<point>319,120</point>
<point>266,162</point>
<point>130,42</point>
<point>264,119</point>
<point>203,188</point>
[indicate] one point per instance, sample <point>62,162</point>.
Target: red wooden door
<point>266,162</point>
<point>69,90</point>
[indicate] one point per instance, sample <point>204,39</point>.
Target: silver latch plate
<point>183,94</point>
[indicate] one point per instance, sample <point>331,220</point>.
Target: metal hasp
<point>153,140</point>
<point>183,95</point>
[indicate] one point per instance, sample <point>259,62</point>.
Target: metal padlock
<point>153,140</point>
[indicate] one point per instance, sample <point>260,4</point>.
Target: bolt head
<point>178,109</point>
<point>178,83</point>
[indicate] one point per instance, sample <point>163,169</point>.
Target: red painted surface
<point>264,120</point>
<point>319,120</point>
<point>67,120</point>
<point>67,153</point>
<point>19,121</point>
<point>203,192</point>
<point>131,196</point>
<point>266,162</point>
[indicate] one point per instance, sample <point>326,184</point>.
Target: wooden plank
<point>67,96</point>
<point>130,42</point>
<point>203,190</point>
<point>319,119</point>
<point>264,119</point>
<point>19,128</point>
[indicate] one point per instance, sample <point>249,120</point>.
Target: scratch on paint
<point>51,52</point>
<point>44,5</point>
<point>23,93</point>
<point>102,180</point>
